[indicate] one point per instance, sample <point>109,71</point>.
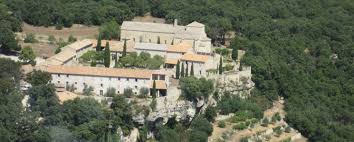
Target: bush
<point>277,131</point>
<point>111,92</point>
<point>228,67</point>
<point>240,126</point>
<point>51,39</point>
<point>287,129</point>
<point>128,92</point>
<point>221,124</point>
<point>30,38</point>
<point>265,122</point>
<point>143,92</point>
<point>72,39</point>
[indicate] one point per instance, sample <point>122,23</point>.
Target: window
<point>118,78</point>
<point>118,92</point>
<point>136,80</point>
<point>150,40</point>
<point>165,41</point>
<point>134,39</point>
<point>76,83</point>
<point>67,75</point>
<point>136,93</point>
<point>200,72</point>
<point>101,92</point>
<point>58,75</point>
<point>162,77</point>
<point>109,78</point>
<point>136,87</point>
<point>58,82</point>
<point>83,83</point>
<point>101,85</point>
<point>67,83</point>
<point>127,79</point>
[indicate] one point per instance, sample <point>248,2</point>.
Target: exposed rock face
<point>168,107</point>
<point>236,82</point>
<point>181,109</point>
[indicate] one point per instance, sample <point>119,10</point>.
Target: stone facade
<point>143,32</point>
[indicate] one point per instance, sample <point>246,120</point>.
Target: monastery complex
<point>185,44</point>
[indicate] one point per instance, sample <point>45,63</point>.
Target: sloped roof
<point>80,44</point>
<point>195,57</point>
<point>160,84</point>
<point>171,61</point>
<point>148,27</point>
<point>195,24</point>
<point>150,46</point>
<point>97,71</point>
<point>180,47</point>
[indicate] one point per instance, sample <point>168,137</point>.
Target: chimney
<point>175,23</point>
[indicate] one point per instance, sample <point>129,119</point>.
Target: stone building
<point>103,78</point>
<point>144,32</point>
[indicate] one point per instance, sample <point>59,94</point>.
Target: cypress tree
<point>158,40</point>
<point>177,70</point>
<point>186,73</point>
<point>234,53</point>
<point>220,66</point>
<point>182,70</point>
<point>153,91</point>
<point>107,56</point>
<point>124,48</point>
<point>98,46</point>
<point>192,70</point>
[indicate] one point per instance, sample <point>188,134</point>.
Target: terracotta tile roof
<point>160,84</point>
<point>171,61</point>
<point>96,71</point>
<point>80,44</point>
<point>195,57</point>
<point>180,48</point>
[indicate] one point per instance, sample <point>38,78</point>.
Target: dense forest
<point>301,50</point>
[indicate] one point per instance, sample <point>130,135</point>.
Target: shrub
<point>240,126</point>
<point>277,131</point>
<point>72,39</point>
<point>265,122</point>
<point>143,92</point>
<point>221,124</point>
<point>111,92</point>
<point>51,39</point>
<point>287,129</point>
<point>228,67</point>
<point>30,38</point>
<point>128,92</point>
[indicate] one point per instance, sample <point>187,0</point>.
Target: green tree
<point>182,70</point>
<point>110,30</point>
<point>122,114</point>
<point>38,77</point>
<point>124,53</point>
<point>192,69</point>
<point>107,56</point>
<point>178,70</point>
<point>27,55</point>
<point>220,66</point>
<point>187,71</point>
<point>153,90</point>
<point>210,113</point>
<point>99,42</point>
